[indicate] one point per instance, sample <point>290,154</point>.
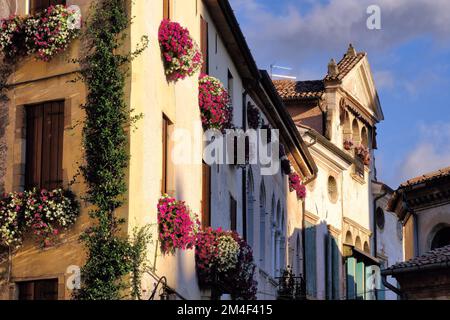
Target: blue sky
<point>409,57</point>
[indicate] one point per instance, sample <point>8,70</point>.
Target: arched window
<point>272,236</point>
<point>366,247</point>
<point>277,240</point>
<point>358,243</point>
<point>355,133</point>
<point>348,238</point>
<point>441,238</point>
<point>250,212</point>
<point>364,137</point>
<point>262,225</point>
<point>282,254</point>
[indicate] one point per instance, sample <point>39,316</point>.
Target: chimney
<point>351,51</point>
<point>333,69</point>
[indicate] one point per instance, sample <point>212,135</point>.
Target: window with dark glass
<point>44,146</point>
<point>204,44</point>
<point>40,5</point>
<point>43,290</point>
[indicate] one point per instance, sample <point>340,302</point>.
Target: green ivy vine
<point>104,70</point>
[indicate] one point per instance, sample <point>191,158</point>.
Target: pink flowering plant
<point>178,225</point>
<point>12,37</point>
<point>45,34</point>
<point>295,184</point>
<point>364,154</point>
<point>224,258</point>
<point>48,213</point>
<point>180,52</point>
<point>348,144</point>
<point>44,213</point>
<point>214,102</point>
<point>51,31</point>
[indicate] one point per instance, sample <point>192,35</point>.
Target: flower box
<point>45,34</point>
<point>214,102</point>
<point>295,184</point>
<point>225,260</point>
<point>44,213</point>
<point>177,225</point>
<point>180,53</point>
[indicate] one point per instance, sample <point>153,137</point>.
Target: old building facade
<point>422,206</point>
<point>258,206</point>
<point>337,117</point>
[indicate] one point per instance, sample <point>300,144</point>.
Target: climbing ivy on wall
<point>104,70</point>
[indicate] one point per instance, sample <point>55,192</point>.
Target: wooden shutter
<point>335,264</point>
<point>206,195</point>
<point>351,280</point>
<point>40,5</point>
<point>45,130</point>
<point>204,44</point>
<point>311,270</point>
<point>166,9</point>
<point>233,214</point>
<point>360,281</point>
<point>43,290</point>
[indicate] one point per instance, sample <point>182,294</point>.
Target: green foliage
<point>104,71</point>
<point>142,237</point>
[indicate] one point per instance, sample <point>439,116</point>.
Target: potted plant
<point>348,144</point>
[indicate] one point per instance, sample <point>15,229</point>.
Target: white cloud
<point>431,153</point>
<point>294,35</point>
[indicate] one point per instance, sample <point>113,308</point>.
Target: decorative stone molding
<point>311,218</point>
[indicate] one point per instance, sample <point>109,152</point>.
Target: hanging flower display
<point>44,34</point>
<point>214,102</point>
<point>364,154</point>
<point>47,213</point>
<point>348,144</point>
<point>44,213</point>
<point>223,258</point>
<point>181,54</point>
<point>12,37</point>
<point>178,226</point>
<point>253,117</point>
<point>51,31</point>
<point>11,219</point>
<point>295,184</point>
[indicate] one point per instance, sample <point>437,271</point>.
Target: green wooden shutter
<point>311,270</point>
<point>335,265</point>
<point>360,281</point>
<point>351,280</point>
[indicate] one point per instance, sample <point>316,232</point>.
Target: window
<point>230,86</point>
<point>379,217</point>
<point>165,155</point>
<point>310,259</point>
<point>166,9</point>
<point>233,214</point>
<point>38,290</point>
<point>441,239</point>
<point>206,195</point>
<point>204,44</point>
<point>40,5</point>
<point>44,147</point>
<point>332,189</point>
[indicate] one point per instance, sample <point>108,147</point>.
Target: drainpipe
<point>244,169</point>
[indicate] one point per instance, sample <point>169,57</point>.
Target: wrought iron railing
<point>290,286</point>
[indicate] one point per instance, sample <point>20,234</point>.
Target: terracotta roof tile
<point>437,256</point>
<point>348,62</point>
<point>292,90</point>
<point>444,172</point>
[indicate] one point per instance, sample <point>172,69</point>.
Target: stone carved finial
<point>333,69</point>
<point>351,51</point>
